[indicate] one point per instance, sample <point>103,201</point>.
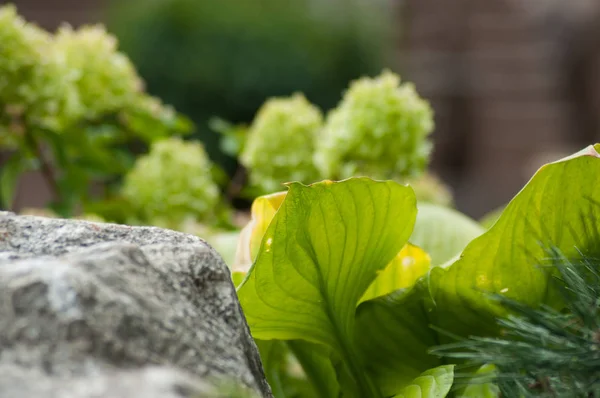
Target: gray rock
<point>103,310</point>
<point>147,382</point>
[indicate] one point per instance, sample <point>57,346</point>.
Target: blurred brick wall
<point>497,74</point>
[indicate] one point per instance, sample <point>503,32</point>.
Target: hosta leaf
<point>237,278</point>
<point>263,210</point>
<point>403,271</point>
<point>443,232</point>
<point>433,383</point>
<point>321,251</point>
<point>552,209</point>
<point>393,336</point>
<point>490,218</point>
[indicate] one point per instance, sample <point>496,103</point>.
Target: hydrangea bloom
<point>379,129</point>
<point>281,142</point>
<point>171,183</point>
<point>35,85</point>
<point>105,78</point>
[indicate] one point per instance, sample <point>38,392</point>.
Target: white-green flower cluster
<point>171,183</point>
<point>105,79</point>
<point>281,142</point>
<point>35,87</point>
<point>74,95</point>
<point>56,81</point>
<point>379,130</point>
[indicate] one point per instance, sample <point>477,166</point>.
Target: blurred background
<point>513,83</point>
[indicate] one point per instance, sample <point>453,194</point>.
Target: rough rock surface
<point>103,310</point>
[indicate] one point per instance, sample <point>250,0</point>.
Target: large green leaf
<point>504,260</point>
<point>321,251</point>
<point>433,383</point>
<point>321,380</point>
<point>442,232</point>
<point>393,336</point>
<point>405,268</point>
<point>490,218</point>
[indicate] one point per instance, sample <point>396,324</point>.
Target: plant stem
<point>314,374</point>
<point>366,388</point>
<point>46,169</point>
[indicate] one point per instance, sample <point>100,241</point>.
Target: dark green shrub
<point>226,58</point>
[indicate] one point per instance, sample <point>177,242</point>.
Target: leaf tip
<point>590,150</point>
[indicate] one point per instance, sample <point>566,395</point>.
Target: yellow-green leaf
<point>480,385</point>
<point>321,251</point>
<point>433,383</point>
<point>262,212</point>
<point>403,271</point>
<point>552,209</point>
<point>443,232</point>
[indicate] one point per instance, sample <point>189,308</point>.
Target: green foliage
<point>280,143</point>
<point>171,183</point>
<point>284,363</point>
<point>545,352</point>
<point>500,261</point>
<point>410,264</point>
<point>433,383</point>
<point>306,277</point>
<point>71,106</point>
<point>442,232</point>
<point>224,58</point>
<point>315,300</point>
<point>379,130</point>
<point>348,286</point>
<point>392,337</point>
